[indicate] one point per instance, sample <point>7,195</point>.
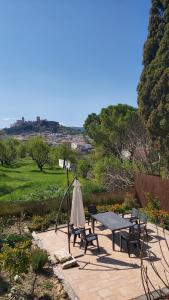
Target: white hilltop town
<point>77,141</point>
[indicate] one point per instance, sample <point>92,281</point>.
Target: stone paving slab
<point>108,274</point>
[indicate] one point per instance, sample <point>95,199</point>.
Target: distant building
<point>67,164</point>
<point>38,119</point>
<point>81,147</point>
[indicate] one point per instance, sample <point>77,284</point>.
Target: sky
<point>64,59</point>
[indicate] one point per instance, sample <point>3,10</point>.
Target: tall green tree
<point>110,128</point>
<point>8,151</point>
<point>153,88</point>
<point>39,151</point>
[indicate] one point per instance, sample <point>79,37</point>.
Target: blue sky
<point>64,59</point>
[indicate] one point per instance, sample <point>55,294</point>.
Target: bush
<point>153,202</point>
<point>15,238</point>
<point>40,223</point>
<point>16,260</point>
<point>39,258</point>
<point>36,224</point>
<point>83,167</point>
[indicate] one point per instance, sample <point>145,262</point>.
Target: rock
<point>26,229</point>
<point>62,256</point>
<point>17,278</point>
<point>70,264</point>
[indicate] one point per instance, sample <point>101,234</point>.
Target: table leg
<point>113,240</point>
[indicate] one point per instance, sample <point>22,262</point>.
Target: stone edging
<point>57,271</point>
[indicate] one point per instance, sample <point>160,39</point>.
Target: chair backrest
<point>92,209</point>
<point>83,233</point>
<point>134,213</point>
<point>135,231</point>
<point>73,230</point>
<point>143,218</point>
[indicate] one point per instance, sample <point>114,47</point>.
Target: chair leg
<point>146,231</point>
<point>81,243</point>
<point>97,244</point>
<point>74,241</point>
<point>86,244</point>
<point>128,248</point>
<point>121,243</point>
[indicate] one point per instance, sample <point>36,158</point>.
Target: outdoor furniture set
<point>136,224</point>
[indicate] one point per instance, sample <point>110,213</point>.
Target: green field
<point>24,178</point>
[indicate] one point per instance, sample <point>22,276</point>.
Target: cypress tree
<point>153,88</point>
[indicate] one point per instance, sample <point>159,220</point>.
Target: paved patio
<point>108,274</point>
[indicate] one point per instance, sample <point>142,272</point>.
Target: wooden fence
<point>154,185</point>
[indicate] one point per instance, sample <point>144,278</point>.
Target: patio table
<point>111,221</point>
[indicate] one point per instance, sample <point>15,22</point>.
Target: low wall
<point>154,185</point>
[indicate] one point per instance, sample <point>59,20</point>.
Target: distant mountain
<point>27,127</point>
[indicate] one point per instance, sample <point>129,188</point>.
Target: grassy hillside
<point>25,178</point>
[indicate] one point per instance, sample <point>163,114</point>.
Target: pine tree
<point>153,88</point>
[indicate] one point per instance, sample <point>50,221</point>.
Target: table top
<point>112,221</point>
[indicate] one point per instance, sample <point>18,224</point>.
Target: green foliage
<point>16,260</point>
<point>153,88</point>
<point>22,151</point>
<point>13,239</point>
<point>113,172</point>
<point>64,152</point>
<point>39,223</point>
<point>48,285</point>
<point>39,258</point>
<point>153,202</point>
<point>23,182</point>
<point>91,187</point>
<point>39,151</point>
<point>8,151</point>
<point>109,127</point>
<point>83,167</point>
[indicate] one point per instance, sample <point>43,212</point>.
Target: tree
<point>153,88</point>
<point>8,151</point>
<point>39,151</point>
<point>83,167</point>
<point>22,151</point>
<point>110,128</point>
<point>2,153</point>
<point>2,134</point>
<point>64,152</point>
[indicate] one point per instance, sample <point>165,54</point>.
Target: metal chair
<point>142,224</point>
<point>92,210</point>
<point>134,215</point>
<point>87,239</point>
<point>130,238</point>
<point>75,232</point>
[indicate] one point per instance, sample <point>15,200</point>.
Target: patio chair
<point>87,239</point>
<point>92,210</point>
<point>130,238</point>
<point>75,232</point>
<point>142,226</point>
<point>134,216</point>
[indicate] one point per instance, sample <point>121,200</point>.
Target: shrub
<point>40,223</point>
<point>152,202</point>
<point>83,167</point>
<point>15,260</point>
<point>39,258</point>
<point>36,224</point>
<point>14,238</point>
